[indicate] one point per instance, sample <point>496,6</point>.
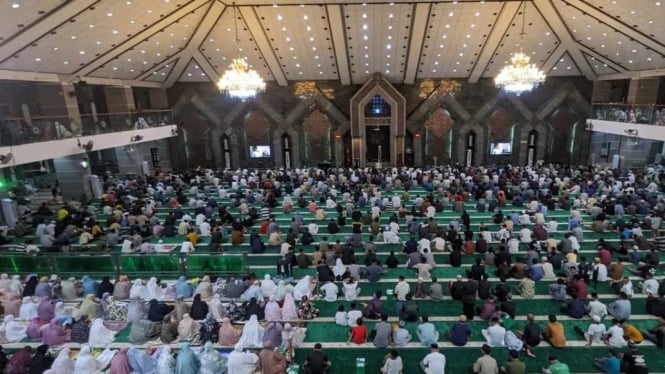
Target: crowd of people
<point>224,207</point>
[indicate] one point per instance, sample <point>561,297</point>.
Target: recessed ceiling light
<point>291,48</point>
<point>305,17</point>
<point>365,26</point>
<point>279,17</point>
<point>99,42</point>
<point>128,2</point>
<point>65,62</point>
<point>389,46</point>
<point>109,14</point>
<point>313,48</point>
<point>365,37</point>
<point>115,68</point>
<point>73,37</point>
<point>451,14</point>
<point>15,5</point>
<point>288,39</point>
<point>390,27</point>
<point>132,22</point>
<point>391,15</point>
<point>81,52</point>
<point>477,14</point>
<point>364,15</point>
<point>309,28</point>
<point>284,29</point>
<point>189,74</point>
<point>114,32</point>
<point>37,59</point>
<point>149,11</point>
<point>91,26</point>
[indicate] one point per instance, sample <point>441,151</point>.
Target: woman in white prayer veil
<point>5,281</point>
<point>15,285</point>
<point>268,286</point>
<point>216,308</point>
<point>104,358</point>
<point>165,360</point>
<point>304,287</point>
<point>13,331</point>
<point>28,309</point>
<point>153,290</point>
<point>289,309</point>
<point>252,333</point>
<point>63,364</point>
<point>252,292</point>
<point>100,335</point>
<point>272,310</point>
<point>212,362</point>
<point>85,363</point>
<point>242,362</point>
<point>138,290</point>
<point>281,291</point>
<point>339,269</point>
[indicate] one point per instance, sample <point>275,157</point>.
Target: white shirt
<point>435,363</point>
<point>330,291</point>
<point>525,235</point>
<point>628,289</point>
<point>597,308</point>
<point>313,228</point>
<point>423,243</point>
<point>615,334</point>
<point>513,246</point>
<point>495,335</point>
<point>341,319</point>
<point>186,247</point>
<point>650,287</point>
<point>204,227</point>
<point>401,289</point>
<point>602,272</point>
<point>439,243</point>
<point>596,330</point>
<point>394,227</point>
<point>390,237</point>
<point>200,218</point>
<point>395,366</point>
<point>352,317</point>
<point>552,226</point>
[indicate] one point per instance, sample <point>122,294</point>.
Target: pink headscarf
<point>228,335</point>
<point>54,334</point>
<point>120,362</point>
<point>34,331</point>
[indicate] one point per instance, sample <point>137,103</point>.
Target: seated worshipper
<point>46,309</point>
<point>141,362</point>
<point>136,310</point>
<point>13,305</point>
<point>199,308</point>
<point>339,270</point>
<point>574,308</point>
<point>306,310</point>
<point>120,362</point>
<point>554,333</point>
<point>53,334</point>
<point>100,335</point>
<point>252,334</point>
<point>204,288</point>
<point>80,332</point>
<point>138,290</point>
<point>28,309</point>
<point>188,329</point>
<point>460,332</point>
<point>615,335</point>
<point>43,288</point>
<point>426,331</point>
<point>558,291</point>
<point>157,311</point>
<point>495,334</point>
<point>212,362</point>
<point>143,330</point>
<point>252,292</point>
<point>165,359</point>
<point>351,289</point>
<point>12,331</point>
<point>180,308</point>
<point>85,362</point>
<point>19,362</point>
<point>273,333</point>
<point>241,362</point>
<point>228,335</point>
<point>594,334</point>
<point>33,330</point>
<point>63,364</point>
<point>304,288</point>
<point>121,288</point>
<point>104,287</point>
<point>289,309</point>
<point>153,290</point>
<point>253,307</point>
<point>183,288</point>
<point>268,286</point>
<point>216,308</point>
<point>620,308</point>
<point>409,310</point>
<point>358,333</point>
<point>169,329</point>
<point>209,329</point>
<point>89,308</point>
<point>41,361</point>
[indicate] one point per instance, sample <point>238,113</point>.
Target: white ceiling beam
<point>198,37</point>
<point>617,25</point>
<point>171,60</point>
<point>121,48</point>
<point>416,40</point>
<point>611,63</point>
<point>206,66</point>
<point>336,24</point>
<point>549,12</point>
<point>553,58</point>
<point>633,74</point>
<point>265,48</point>
<point>44,26</point>
<point>499,29</point>
<point>11,75</point>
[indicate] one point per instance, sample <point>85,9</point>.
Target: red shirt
<point>605,256</point>
<point>359,334</point>
<point>264,227</point>
<point>581,289</point>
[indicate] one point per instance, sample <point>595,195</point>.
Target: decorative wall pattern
<point>439,122</point>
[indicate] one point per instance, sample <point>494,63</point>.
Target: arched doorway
<point>226,152</point>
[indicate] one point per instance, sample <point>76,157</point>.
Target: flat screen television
<point>259,151</point>
<point>500,148</point>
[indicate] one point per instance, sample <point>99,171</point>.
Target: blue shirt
<point>612,365</point>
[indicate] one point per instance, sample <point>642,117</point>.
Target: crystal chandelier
<point>239,81</point>
<point>520,76</point>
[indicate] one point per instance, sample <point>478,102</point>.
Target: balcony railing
<point>18,131</point>
<point>620,112</point>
